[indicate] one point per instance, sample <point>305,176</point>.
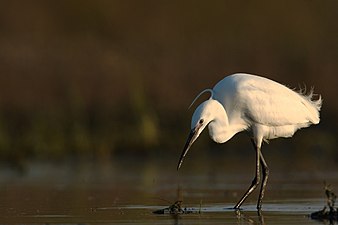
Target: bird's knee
<point>266,171</point>
<point>256,181</point>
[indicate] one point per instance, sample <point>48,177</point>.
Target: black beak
<point>191,138</point>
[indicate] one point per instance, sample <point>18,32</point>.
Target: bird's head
<point>203,115</point>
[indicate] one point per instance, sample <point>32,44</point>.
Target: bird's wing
<point>270,103</point>
<point>260,100</point>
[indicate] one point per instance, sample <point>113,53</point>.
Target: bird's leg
<point>256,179</point>
<point>265,171</point>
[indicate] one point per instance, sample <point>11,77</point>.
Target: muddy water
<point>128,191</point>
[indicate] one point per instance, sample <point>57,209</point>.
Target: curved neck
<point>220,130</point>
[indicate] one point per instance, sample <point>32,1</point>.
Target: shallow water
<point>120,192</point>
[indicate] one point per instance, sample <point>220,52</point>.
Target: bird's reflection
<point>240,215</point>
<point>177,216</point>
<point>250,220</point>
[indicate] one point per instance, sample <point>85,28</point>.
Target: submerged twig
<point>329,212</point>
<point>177,208</point>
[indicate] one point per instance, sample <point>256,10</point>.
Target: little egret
<point>264,108</point>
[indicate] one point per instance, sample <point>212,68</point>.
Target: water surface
<point>123,192</point>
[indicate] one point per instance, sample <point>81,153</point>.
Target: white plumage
<point>255,100</point>
<point>256,104</point>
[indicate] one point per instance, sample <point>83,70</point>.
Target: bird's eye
<point>201,121</point>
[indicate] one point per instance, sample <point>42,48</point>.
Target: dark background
<point>100,80</point>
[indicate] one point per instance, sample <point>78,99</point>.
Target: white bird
<point>263,107</point>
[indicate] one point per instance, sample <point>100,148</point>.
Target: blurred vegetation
<point>97,79</point>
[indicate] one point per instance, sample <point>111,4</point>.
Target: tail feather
<point>314,106</point>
